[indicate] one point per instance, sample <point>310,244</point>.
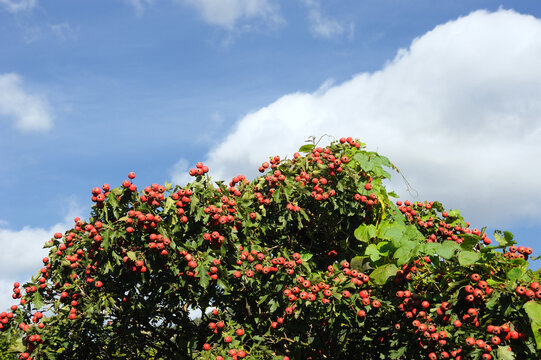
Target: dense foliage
<point>312,260</point>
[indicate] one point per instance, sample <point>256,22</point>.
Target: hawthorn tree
<point>311,260</point>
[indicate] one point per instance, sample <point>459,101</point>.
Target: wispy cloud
<point>29,112</point>
<point>323,26</point>
<point>458,112</point>
<point>140,5</point>
<point>227,13</point>
<point>14,6</point>
<point>64,31</point>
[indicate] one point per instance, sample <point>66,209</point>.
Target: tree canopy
<point>311,260</point>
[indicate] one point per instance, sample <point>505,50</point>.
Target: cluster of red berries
<point>533,291</point>
<point>135,265</point>
<point>145,222</point>
<point>218,217</point>
<point>350,141</point>
<point>356,277</point>
<point>274,162</point>
<point>412,212</point>
<point>239,179</point>
<point>520,252</point>
<point>199,170</point>
<point>262,265</point>
<point>98,197</point>
<point>318,189</point>
<point>89,230</point>
<point>411,305</point>
<point>477,293</point>
<point>182,198</point>
<point>213,271</point>
<point>483,346</point>
<point>6,317</point>
<point>16,291</point>
<point>219,327</point>
<point>370,200</point>
<point>406,273</point>
<point>294,208</point>
<point>159,243</point>
<point>128,184</point>
<point>327,158</point>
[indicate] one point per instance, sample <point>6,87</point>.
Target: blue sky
<point>91,90</point>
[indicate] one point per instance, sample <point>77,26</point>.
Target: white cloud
<point>30,112</point>
<point>179,172</point>
<point>323,26</point>
<point>22,251</point>
<point>14,6</point>
<point>139,5</point>
<point>227,13</point>
<point>458,112</point>
<point>64,31</point>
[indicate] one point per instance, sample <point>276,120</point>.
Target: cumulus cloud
<point>22,250</point>
<point>14,6</point>
<point>458,112</point>
<point>30,112</point>
<point>323,26</point>
<point>227,13</point>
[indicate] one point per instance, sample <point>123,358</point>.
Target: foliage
<point>4,347</point>
<point>312,260</point>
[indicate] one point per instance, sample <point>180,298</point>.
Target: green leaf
<point>169,202</point>
<point>262,299</point>
<point>373,252</point>
<point>499,238</point>
<point>37,300</point>
<point>454,213</point>
<point>384,248</point>
<point>533,310</point>
<point>391,231</point>
<point>448,248</point>
<point>306,257</point>
<point>168,186</point>
<point>503,353</point>
<point>469,241</point>
<point>132,255</point>
<point>17,346</point>
<point>357,263</point>
<point>405,252</point>
<point>467,258</point>
<point>273,305</point>
<point>493,301</point>
<point>365,232</point>
<point>306,148</point>
<point>397,354</point>
<point>373,162</point>
<point>412,233</point>
<point>380,275</point>
<point>514,274</point>
<point>432,248</point>
<point>204,278</point>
